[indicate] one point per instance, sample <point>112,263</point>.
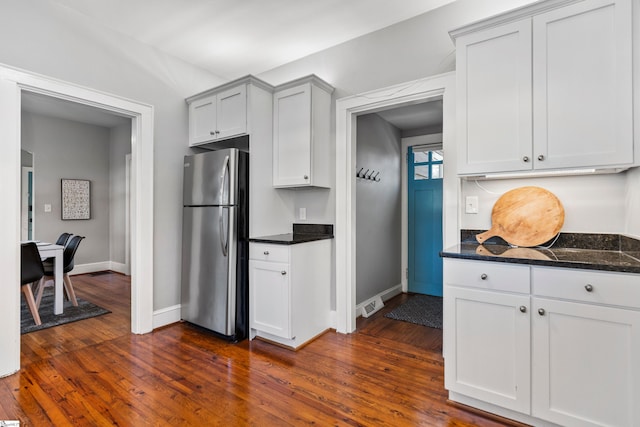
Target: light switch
<point>47,207</point>
<point>303,214</point>
<point>471,205</point>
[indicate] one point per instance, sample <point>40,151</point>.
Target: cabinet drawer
<point>587,285</point>
<point>266,252</point>
<point>487,275</point>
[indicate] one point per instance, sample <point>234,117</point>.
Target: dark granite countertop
<point>302,233</point>
<point>601,253</point>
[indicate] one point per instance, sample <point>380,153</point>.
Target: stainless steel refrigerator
<point>215,242</point>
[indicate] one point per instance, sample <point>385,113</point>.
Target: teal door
<point>425,170</point>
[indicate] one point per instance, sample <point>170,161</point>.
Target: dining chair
<point>31,272</point>
<point>63,239</point>
<point>68,256</point>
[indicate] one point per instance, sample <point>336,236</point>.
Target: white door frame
<point>347,110</point>
<point>12,83</point>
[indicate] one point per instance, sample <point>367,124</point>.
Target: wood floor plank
<point>95,372</point>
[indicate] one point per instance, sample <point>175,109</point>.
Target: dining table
<point>51,250</point>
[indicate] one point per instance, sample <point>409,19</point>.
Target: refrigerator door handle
<point>224,234</point>
<point>225,172</point>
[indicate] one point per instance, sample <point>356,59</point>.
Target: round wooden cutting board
<point>525,216</point>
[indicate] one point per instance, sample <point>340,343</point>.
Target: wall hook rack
<point>369,174</point>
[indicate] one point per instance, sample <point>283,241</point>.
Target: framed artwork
<point>76,199</point>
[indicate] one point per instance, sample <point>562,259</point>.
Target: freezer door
<point>210,179</point>
<point>209,256</point>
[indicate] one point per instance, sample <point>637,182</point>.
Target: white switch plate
<point>471,205</point>
<point>303,214</point>
<point>47,207</point>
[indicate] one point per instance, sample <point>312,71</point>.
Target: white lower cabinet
<point>488,348</point>
<point>565,353</point>
<point>289,285</point>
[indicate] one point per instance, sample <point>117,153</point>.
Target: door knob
<point>523,309</point>
<point>483,276</point>
<point>589,287</point>
<point>525,159</point>
<point>541,311</point>
<point>541,157</point>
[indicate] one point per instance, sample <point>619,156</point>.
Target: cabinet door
<point>487,343</point>
<point>494,99</point>
<point>292,137</point>
<point>231,112</point>
<point>202,120</point>
<point>585,364</point>
<point>582,85</point>
<point>270,298</point>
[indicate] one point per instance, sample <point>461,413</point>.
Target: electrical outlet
<point>303,214</point>
<point>471,205</point>
<point>47,207</point>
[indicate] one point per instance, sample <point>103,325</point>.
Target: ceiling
<point>67,110</point>
<point>415,116</point>
<point>233,38</point>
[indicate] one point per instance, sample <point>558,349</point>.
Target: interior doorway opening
<point>12,84</point>
<point>385,240</point>
<point>347,110</point>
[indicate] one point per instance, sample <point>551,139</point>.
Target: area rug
<point>423,310</point>
<point>84,310</point>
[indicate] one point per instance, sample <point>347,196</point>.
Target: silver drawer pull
<point>523,309</point>
<point>589,287</point>
<point>283,272</point>
<point>541,157</point>
<point>541,311</point>
<point>525,159</point>
<point>266,252</point>
<point>483,276</point>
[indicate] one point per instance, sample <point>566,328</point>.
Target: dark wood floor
<point>94,372</point>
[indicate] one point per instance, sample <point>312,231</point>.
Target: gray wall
<point>119,147</point>
<point>62,44</point>
<point>67,149</point>
<point>378,208</point>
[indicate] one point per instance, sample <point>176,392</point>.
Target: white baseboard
<point>377,299</point>
<point>98,266</point>
<point>166,316</point>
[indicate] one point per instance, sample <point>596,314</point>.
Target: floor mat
<point>423,310</point>
<point>84,310</point>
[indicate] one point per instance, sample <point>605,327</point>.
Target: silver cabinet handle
<point>217,132</point>
<point>541,311</point>
<point>283,272</point>
<point>525,159</point>
<point>589,287</point>
<point>483,276</point>
<point>266,252</point>
<point>523,309</point>
<point>212,132</point>
<point>541,157</point>
<point>306,177</point>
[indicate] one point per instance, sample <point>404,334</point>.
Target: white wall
<point>67,149</point>
<point>378,208</point>
<point>592,204</point>
<point>48,39</point>
<point>411,50</point>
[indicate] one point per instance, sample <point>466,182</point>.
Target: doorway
<point>12,84</point>
<point>424,194</point>
<point>347,111</point>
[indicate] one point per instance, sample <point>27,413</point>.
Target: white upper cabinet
<point>301,122</point>
<point>226,111</point>
<point>582,85</point>
<point>494,97</point>
<point>546,87</point>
